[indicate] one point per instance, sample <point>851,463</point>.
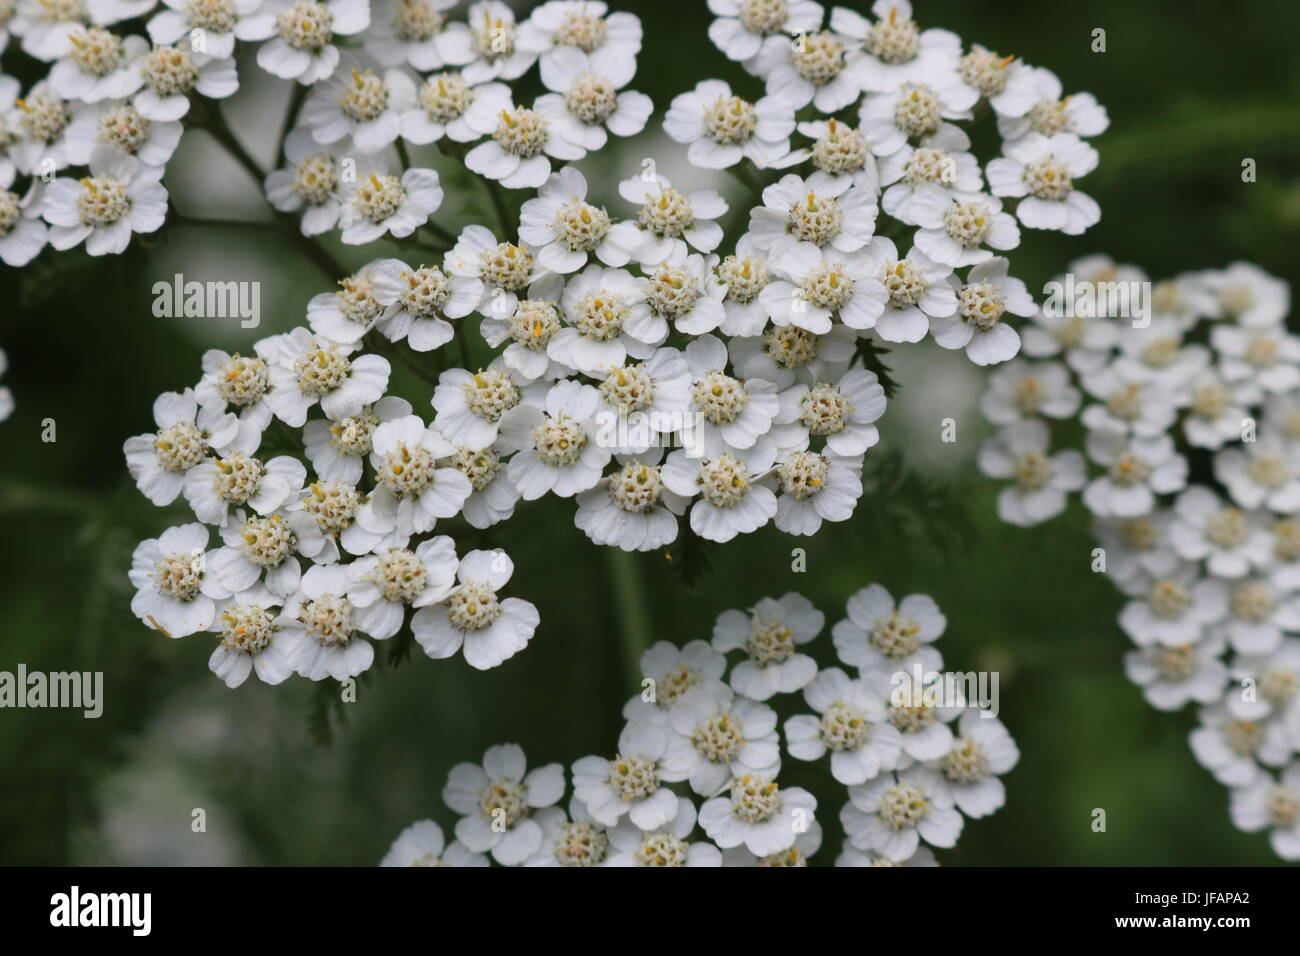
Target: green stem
<point>296,98</point>
<point>499,205</point>
<point>633,612</point>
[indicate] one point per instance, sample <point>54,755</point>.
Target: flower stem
<point>499,205</point>
<point>633,613</point>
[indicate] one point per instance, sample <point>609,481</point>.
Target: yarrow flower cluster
<point>1188,391</point>
<point>695,778</point>
<point>667,389</point>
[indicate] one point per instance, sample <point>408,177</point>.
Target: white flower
<point>954,229</point>
<point>447,105</point>
<point>941,161</point>
<point>718,736</point>
<point>187,431</point>
<point>732,501</point>
<point>22,233</point>
<point>1005,83</point>
<point>336,449</point>
<point>763,816</point>
<point>559,451</point>
<point>497,801</point>
<point>893,49</point>
<point>1079,113</point>
<point>174,592</point>
<point>222,22</point>
<point>1137,469</point>
<point>1268,357</point>
<point>672,671</point>
<point>237,478</point>
<point>918,111</point>
<point>412,490</point>
<point>408,32</point>
<point>631,508</point>
<point>1230,541</point>
<point>665,845</point>
<point>504,268</point>
<point>1158,354</point>
<point>1020,389</point>
<point>770,635</point>
<point>731,414</point>
<point>305,370</point>
<point>384,584</point>
<point>564,228</point>
<point>318,629</point>
<point>839,151</point>
<point>490,43</point>
<point>881,635</point>
<point>1174,608</point>
<point>334,506</point>
<point>1258,613</point>
<point>584,25</point>
<point>685,290</point>
<point>310,182</point>
<point>1262,473</point>
<point>302,34</point>
<point>893,813</point>
<point>849,723</point>
<point>841,412</point>
<point>745,275</point>
<point>923,856</point>
<point>422,844</point>
<point>983,302</point>
<point>785,354</point>
<point>917,291</point>
<point>1268,803</point>
<point>967,774</point>
<point>122,127</point>
<point>418,302</point>
<point>171,74</point>
<point>245,624</point>
<point>920,707</point>
<point>45,29</point>
<point>1170,677</point>
<point>381,203</point>
<point>1042,481</point>
<point>587,104</point>
<point>742,25</point>
<point>1246,293</point>
<point>239,382</point>
<point>822,210</point>
<point>364,109</point>
<point>522,140</point>
<point>471,407</point>
<point>347,315</point>
<point>1228,747</point>
<point>721,129</point>
<point>580,842</point>
<point>813,288</point>
<point>1042,170</point>
<point>98,65</point>
<point>1086,342</point>
<point>121,196</point>
<point>808,69</point>
<point>1140,409</point>
<point>6,396</point>
<point>608,320</point>
<point>104,12</point>
<point>667,220</point>
<point>257,544</point>
<point>631,784</point>
<point>494,496</point>
<point>815,488</point>
<point>1137,547</point>
<point>489,630</point>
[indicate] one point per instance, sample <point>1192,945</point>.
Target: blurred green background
<point>1192,89</point>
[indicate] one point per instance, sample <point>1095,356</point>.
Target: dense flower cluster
<point>694,781</point>
<point>1191,418</point>
<point>637,370</point>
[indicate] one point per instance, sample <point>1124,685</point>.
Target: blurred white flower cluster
<point>694,781</point>
<point>635,370</point>
<point>1192,425</point>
